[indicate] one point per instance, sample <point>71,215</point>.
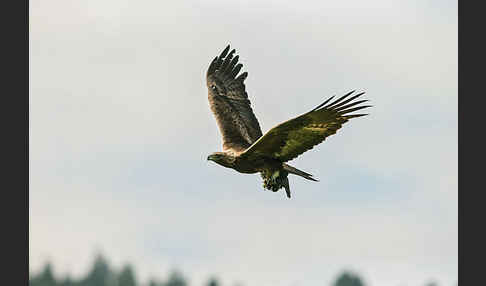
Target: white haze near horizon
<point>120,129</point>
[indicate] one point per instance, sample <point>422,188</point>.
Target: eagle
<point>245,148</point>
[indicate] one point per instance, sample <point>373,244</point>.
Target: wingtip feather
<point>225,51</point>
<point>319,106</point>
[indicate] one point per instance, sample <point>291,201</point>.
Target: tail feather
<point>298,172</point>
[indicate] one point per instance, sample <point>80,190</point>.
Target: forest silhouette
<point>102,274</point>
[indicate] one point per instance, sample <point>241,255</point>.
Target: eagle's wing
<point>295,136</point>
<point>229,102</point>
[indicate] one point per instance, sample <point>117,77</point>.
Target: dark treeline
<point>101,274</point>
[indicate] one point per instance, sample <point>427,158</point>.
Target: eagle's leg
<point>274,180</point>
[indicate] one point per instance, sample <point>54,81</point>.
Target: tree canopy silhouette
<point>101,274</point>
<point>348,279</point>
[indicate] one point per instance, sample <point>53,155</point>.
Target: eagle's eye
<point>213,87</point>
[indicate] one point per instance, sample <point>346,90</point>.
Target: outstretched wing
<point>289,139</point>
<point>230,104</point>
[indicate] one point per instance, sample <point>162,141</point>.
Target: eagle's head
<point>222,159</point>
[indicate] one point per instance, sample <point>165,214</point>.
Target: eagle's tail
<point>298,172</point>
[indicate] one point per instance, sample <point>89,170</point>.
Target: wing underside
<point>289,139</point>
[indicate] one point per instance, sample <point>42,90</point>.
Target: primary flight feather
<point>245,148</point>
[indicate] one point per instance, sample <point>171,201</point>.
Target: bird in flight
<point>245,148</point>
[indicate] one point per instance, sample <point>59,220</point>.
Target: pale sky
<point>120,129</point>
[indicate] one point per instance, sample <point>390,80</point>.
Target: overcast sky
<point>120,129</point>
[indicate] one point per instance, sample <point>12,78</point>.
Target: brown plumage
<point>244,147</point>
